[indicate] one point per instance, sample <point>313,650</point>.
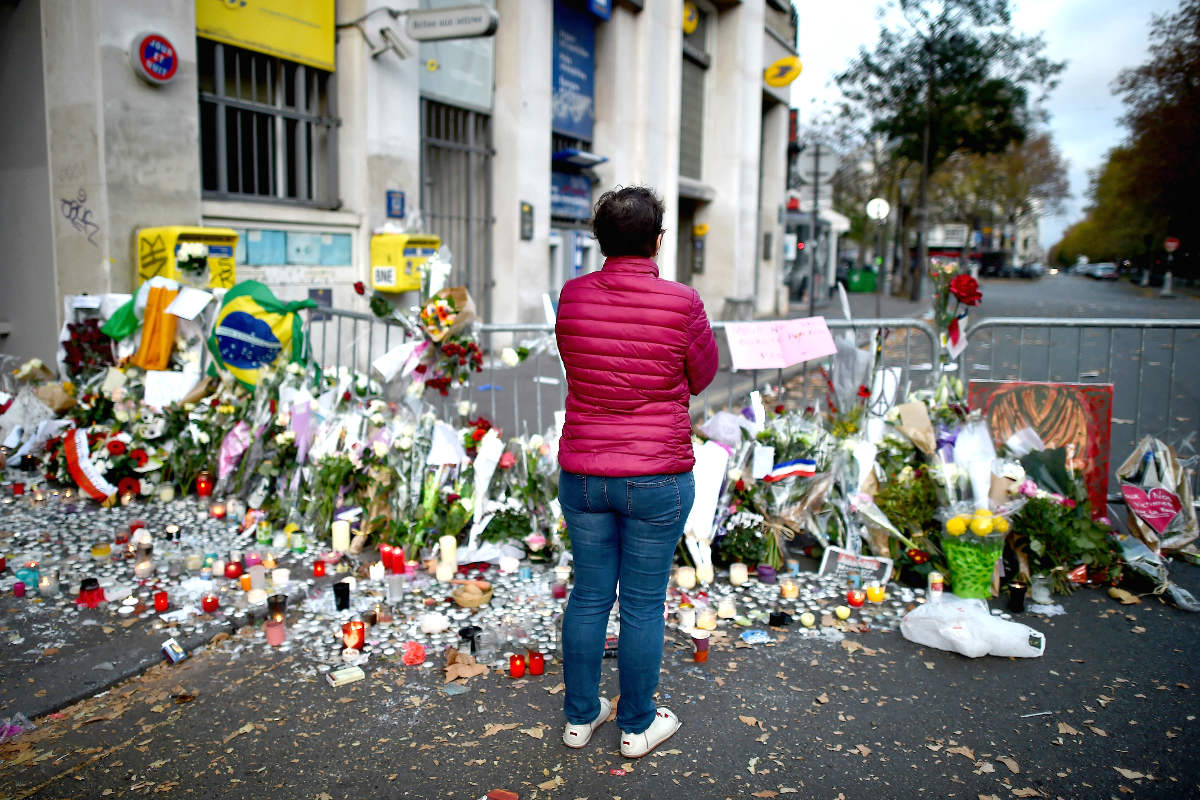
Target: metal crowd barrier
<point>1153,365</point>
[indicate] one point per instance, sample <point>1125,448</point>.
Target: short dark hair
<point>627,221</point>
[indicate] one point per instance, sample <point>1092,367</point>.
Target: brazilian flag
<point>255,330</point>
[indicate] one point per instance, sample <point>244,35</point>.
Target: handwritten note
<point>779,343</point>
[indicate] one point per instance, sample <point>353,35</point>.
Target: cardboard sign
<point>779,343</point>
<point>1157,508</point>
<point>847,566</point>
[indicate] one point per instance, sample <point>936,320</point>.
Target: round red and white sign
<point>154,58</point>
<point>1171,244</point>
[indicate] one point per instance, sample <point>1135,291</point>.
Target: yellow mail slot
<point>194,256</point>
<point>397,258</point>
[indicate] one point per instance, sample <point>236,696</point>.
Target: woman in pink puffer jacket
<point>635,347</point>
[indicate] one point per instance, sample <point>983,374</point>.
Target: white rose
<point>464,408</point>
<point>509,357</point>
<point>536,442</point>
<point>377,419</point>
<point>404,443</point>
<point>121,415</point>
<point>203,438</point>
<point>282,419</point>
<point>380,448</point>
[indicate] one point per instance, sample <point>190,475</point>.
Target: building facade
<point>309,126</point>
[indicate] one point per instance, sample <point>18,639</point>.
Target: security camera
<point>391,41</point>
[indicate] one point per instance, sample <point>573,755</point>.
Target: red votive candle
<point>217,511</point>
<point>354,634</point>
<point>559,591</point>
<point>318,569</point>
<point>209,603</point>
<point>137,523</point>
<point>856,597</point>
<point>18,489</point>
<point>385,556</point>
<point>516,666</point>
<point>161,602</point>
<point>18,589</point>
<point>204,484</point>
<point>3,563</point>
<point>233,570</point>
<point>537,663</point>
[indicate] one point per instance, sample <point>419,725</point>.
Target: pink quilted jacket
<point>634,346</point>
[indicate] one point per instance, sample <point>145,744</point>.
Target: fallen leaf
<point>788,790</point>
<point>1097,731</point>
<point>928,665</point>
<point>1066,729</point>
<point>1125,597</point>
<point>1028,792</point>
<point>1010,763</point>
<point>851,646</point>
<point>751,721</point>
<point>534,732</point>
<point>765,793</point>
<point>555,689</point>
<point>962,750</point>
<point>985,768</point>
<point>822,698</point>
<point>247,728</point>
<point>862,750</point>
<point>1128,773</point>
<point>988,797</point>
<point>496,727</point>
<point>553,783</point>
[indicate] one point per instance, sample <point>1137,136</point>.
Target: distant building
<point>307,125</point>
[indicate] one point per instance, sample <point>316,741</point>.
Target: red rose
<point>116,447</point>
<point>450,498</point>
<point>214,403</point>
<point>966,289</point>
<point>779,409</point>
<point>864,392</point>
<point>139,455</point>
<point>420,369</point>
<point>360,287</point>
<point>478,434</point>
<point>740,486</point>
<point>507,459</point>
<point>129,486</point>
<point>345,397</point>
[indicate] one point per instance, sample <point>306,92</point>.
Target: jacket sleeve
<point>702,356</point>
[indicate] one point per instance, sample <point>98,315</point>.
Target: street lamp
<point>878,210</point>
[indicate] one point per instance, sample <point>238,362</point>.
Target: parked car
<point>1031,270</point>
<point>1104,271</point>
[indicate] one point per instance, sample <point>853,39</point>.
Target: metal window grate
<point>456,192</point>
<point>268,128</point>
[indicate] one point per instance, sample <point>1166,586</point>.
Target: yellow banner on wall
<point>298,30</point>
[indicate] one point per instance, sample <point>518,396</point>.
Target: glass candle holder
<point>354,633</point>
<point>204,484</point>
<point>739,573</point>
<point>209,603</point>
<point>162,602</point>
<point>685,578</point>
<point>277,607</point>
<point>276,633</point>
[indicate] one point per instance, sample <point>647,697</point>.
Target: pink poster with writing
<point>778,343</point>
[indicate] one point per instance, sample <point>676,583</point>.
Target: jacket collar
<point>637,265</point>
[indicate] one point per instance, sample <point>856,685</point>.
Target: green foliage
<point>1061,537</point>
<point>745,543</point>
<point>909,500</point>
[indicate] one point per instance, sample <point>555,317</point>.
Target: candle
<point>354,634</point>
<point>726,608</point>
<point>562,573</point>
<point>281,577</point>
<point>161,602</point>
<point>276,633</point>
<point>738,573</point>
<point>856,597</point>
<point>218,566</point>
<point>251,559</point>
<point>318,569</point>
<point>3,562</point>
<point>509,564</point>
<point>537,663</point>
<point>445,572</point>
<point>704,573</point>
<point>449,548</point>
<point>937,585</point>
<point>18,489</point>
<point>685,577</point>
<point>399,566</point>
<point>383,614</point>
<point>47,586</point>
<point>166,493</point>
<point>277,607</point>
<point>246,582</point>
<point>269,562</point>
<point>340,531</point>
<point>258,577</point>
<point>789,589</point>
<point>766,573</point>
<point>217,511</point>
<point>235,555</point>
<point>706,619</point>
<point>341,595</point>
<point>558,591</point>
<point>172,531</point>
<point>516,666</point>
<point>256,597</point>
<point>395,587</point>
<point>209,603</point>
<point>101,551</point>
<point>298,543</point>
<point>233,570</point>
<point>687,617</point>
<point>700,646</point>
<point>375,571</point>
<point>195,561</point>
<point>143,569</point>
<point>204,484</point>
<point>126,498</point>
<point>875,593</point>
<point>19,588</point>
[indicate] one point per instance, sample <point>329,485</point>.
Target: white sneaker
<point>636,745</point>
<point>578,735</point>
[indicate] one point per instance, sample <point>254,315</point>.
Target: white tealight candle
<point>47,586</point>
<point>738,573</point>
<point>166,493</point>
<point>685,577</point>
<point>445,572</point>
<point>256,597</point>
<point>687,617</point>
<point>258,577</point>
<point>194,561</point>
<point>281,577</point>
<point>704,572</point>
<point>375,571</point>
<point>340,531</point>
<point>706,619</point>
<point>143,570</point>
<point>279,540</point>
<point>218,567</point>
<point>509,564</point>
<point>726,609</point>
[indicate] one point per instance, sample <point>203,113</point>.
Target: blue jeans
<point>623,530</point>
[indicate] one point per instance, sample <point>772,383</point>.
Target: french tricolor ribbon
<point>804,467</point>
<point>79,464</point>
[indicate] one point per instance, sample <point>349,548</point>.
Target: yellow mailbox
<point>200,257</point>
<point>397,258</point>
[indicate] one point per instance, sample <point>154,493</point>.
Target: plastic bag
<point>1157,491</point>
<point>968,627</point>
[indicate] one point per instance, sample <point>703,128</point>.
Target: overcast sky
<point>1097,39</point>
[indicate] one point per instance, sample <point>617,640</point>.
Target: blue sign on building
<point>570,196</point>
<point>395,204</point>
<point>601,8</point>
<point>574,72</point>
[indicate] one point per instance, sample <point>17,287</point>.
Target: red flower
<point>420,369</point>
<point>214,403</point>
<point>779,409</point>
<point>740,486</point>
<point>918,556</point>
<point>864,392</point>
<point>478,434</point>
<point>507,459</point>
<point>450,498</point>
<point>360,287</point>
<point>116,447</point>
<point>129,486</point>
<point>345,397</point>
<point>139,455</point>
<point>966,289</point>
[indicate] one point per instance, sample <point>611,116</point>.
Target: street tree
<point>954,77</point>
